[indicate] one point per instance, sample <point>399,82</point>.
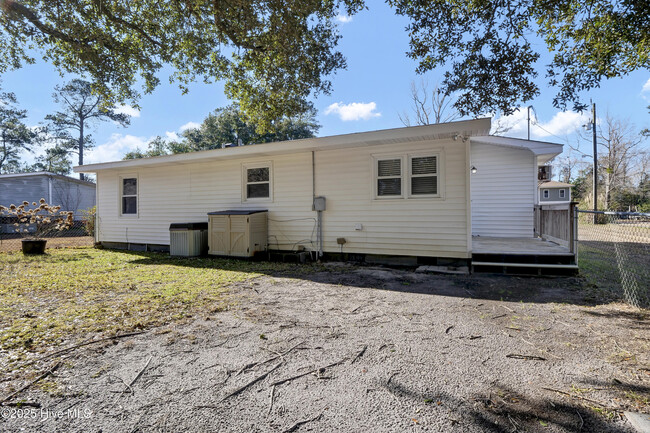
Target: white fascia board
<point>466,128</point>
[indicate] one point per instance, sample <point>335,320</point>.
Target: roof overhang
<point>451,130</point>
<point>544,150</point>
<point>47,174</point>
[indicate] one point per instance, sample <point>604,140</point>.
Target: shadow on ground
<point>510,288</point>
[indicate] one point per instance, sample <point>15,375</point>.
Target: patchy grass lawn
<point>67,295</point>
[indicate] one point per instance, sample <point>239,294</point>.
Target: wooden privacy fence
<point>558,223</point>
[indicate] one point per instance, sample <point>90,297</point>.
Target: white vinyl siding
<point>502,191</point>
<point>346,177</point>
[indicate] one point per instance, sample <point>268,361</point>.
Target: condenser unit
<point>238,233</point>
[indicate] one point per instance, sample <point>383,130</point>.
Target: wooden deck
<point>516,246</point>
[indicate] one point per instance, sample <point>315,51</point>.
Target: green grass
<point>68,295</point>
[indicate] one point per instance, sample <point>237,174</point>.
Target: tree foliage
<point>490,47</point>
<point>15,136</point>
<point>623,169</point>
<point>80,108</point>
<point>271,53</point>
<point>275,54</point>
<point>229,125</point>
<point>54,160</point>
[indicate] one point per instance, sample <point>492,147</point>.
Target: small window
<point>389,177</point>
<point>562,192</point>
<point>545,193</point>
<point>257,182</point>
<point>424,175</point>
<point>129,196</point>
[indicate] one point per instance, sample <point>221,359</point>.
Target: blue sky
<point>369,95</point>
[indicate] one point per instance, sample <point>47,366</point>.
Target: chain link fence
<point>614,253</point>
<point>81,233</point>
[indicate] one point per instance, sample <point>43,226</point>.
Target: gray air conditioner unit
<point>544,172</point>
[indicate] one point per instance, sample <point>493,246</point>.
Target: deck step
<point>526,265</point>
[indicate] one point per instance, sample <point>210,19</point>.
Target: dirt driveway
<point>364,349</point>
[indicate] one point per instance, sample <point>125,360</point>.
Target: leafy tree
<point>272,54</point>
<point>80,107</point>
<point>15,136</point>
<point>229,125</point>
<point>55,160</point>
<point>491,47</point>
<point>156,147</point>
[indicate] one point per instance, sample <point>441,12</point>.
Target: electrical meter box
<point>319,203</point>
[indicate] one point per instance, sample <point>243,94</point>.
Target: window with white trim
<point>257,182</point>
<point>545,193</point>
<point>129,196</point>
<point>562,193</point>
<point>423,175</point>
<point>389,177</point>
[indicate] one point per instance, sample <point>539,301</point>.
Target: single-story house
<point>553,192</point>
<point>71,194</point>
<point>422,191</point>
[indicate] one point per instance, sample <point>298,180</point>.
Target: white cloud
<point>646,87</point>
<point>353,110</point>
<point>563,123</point>
<point>189,125</point>
<point>343,19</point>
<point>171,135</point>
<point>127,109</point>
<point>115,148</point>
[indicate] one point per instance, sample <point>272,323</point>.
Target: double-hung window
<point>389,177</point>
<point>546,193</point>
<point>411,176</point>
<point>129,196</point>
<point>562,193</point>
<point>423,175</point>
<point>257,182</point>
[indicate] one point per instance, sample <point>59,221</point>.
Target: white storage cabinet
<point>237,233</point>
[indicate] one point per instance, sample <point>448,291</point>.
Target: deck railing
<point>558,223</point>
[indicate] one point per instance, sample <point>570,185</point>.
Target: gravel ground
<point>375,350</point>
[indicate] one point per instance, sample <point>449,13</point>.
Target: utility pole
<point>595,171</point>
<point>529,121</point>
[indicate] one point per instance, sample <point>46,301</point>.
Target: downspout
<point>49,189</point>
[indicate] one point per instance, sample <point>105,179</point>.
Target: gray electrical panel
<point>319,203</point>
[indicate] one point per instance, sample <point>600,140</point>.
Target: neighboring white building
<point>417,191</point>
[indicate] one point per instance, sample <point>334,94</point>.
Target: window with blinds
<point>389,177</point>
<point>424,175</point>
<point>407,176</point>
